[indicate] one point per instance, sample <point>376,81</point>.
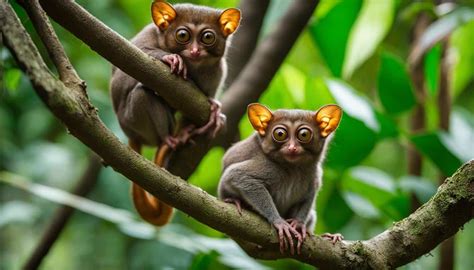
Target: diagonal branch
<point>130,59</point>
<point>56,52</point>
<point>441,217</point>
<point>245,40</point>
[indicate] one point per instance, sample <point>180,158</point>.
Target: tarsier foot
<point>285,236</point>
<point>176,64</point>
<point>172,142</point>
<point>236,202</point>
<point>216,120</point>
<point>337,237</point>
<point>300,227</point>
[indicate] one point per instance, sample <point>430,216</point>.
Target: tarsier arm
<point>257,196</point>
<point>302,209</point>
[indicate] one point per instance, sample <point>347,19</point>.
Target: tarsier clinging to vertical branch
<point>192,40</point>
<point>277,171</point>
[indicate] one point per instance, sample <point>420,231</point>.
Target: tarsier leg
<point>236,202</point>
<point>337,237</point>
<point>216,120</point>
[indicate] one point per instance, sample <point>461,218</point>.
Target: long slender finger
<point>290,240</point>
<point>180,65</point>
<point>281,239</point>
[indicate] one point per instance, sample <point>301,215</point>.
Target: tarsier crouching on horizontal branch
<point>277,171</point>
<point>192,40</point>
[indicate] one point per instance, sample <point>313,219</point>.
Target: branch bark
<point>441,217</point>
<point>245,40</point>
<point>130,59</point>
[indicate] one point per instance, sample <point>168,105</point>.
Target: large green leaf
<point>423,188</point>
<point>352,143</point>
<point>331,32</point>
<point>433,147</point>
<point>11,79</point>
<point>462,55</point>
<point>432,69</point>
<point>460,139</point>
<point>371,26</point>
<point>332,221</point>
<point>440,29</point>
<point>394,87</point>
<point>361,206</point>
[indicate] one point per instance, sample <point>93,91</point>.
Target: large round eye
<point>183,36</point>
<point>280,134</point>
<point>208,37</point>
<point>304,135</point>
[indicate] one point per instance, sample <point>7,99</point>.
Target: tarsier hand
<point>176,64</point>
<point>300,227</point>
<point>285,235</point>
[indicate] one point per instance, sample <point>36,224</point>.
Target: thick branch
<point>59,220</point>
<point>130,59</point>
<point>441,217</point>
<point>245,40</point>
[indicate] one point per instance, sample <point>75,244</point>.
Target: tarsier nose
<point>195,52</point>
<point>292,148</point>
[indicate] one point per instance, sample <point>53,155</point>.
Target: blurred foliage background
<point>353,53</point>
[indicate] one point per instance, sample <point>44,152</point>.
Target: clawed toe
<point>334,238</point>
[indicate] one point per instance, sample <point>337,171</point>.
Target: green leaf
<point>353,104</point>
<point>295,81</point>
<point>331,32</point>
<point>423,188</point>
<point>11,79</point>
<point>388,127</point>
<point>440,29</point>
<point>370,183</point>
<point>370,28</point>
<point>361,206</point>
<point>460,139</point>
<point>278,94</point>
<point>331,221</point>
<point>432,146</point>
<point>432,69</point>
<point>394,87</point>
<point>317,94</point>
<point>352,142</point>
<point>461,52</point>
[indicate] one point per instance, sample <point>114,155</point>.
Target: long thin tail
<point>148,206</point>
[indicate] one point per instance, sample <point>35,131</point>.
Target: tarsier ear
<point>327,118</point>
<point>229,21</point>
<point>163,14</point>
<point>259,117</point>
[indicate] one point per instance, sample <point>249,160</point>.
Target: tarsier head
<point>196,33</point>
<point>295,136</point>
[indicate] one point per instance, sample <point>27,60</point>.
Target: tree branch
<point>441,217</point>
<point>245,40</point>
<point>60,218</point>
<point>124,55</point>
<point>56,52</point>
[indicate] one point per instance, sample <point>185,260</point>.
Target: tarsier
<point>192,41</point>
<point>277,171</point>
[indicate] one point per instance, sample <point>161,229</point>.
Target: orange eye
<point>208,37</point>
<point>280,134</point>
<point>183,36</point>
<point>304,135</point>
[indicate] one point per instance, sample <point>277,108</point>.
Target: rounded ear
<point>259,117</point>
<point>163,14</point>
<point>327,118</point>
<point>229,21</point>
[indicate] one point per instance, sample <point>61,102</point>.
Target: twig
<point>62,215</point>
